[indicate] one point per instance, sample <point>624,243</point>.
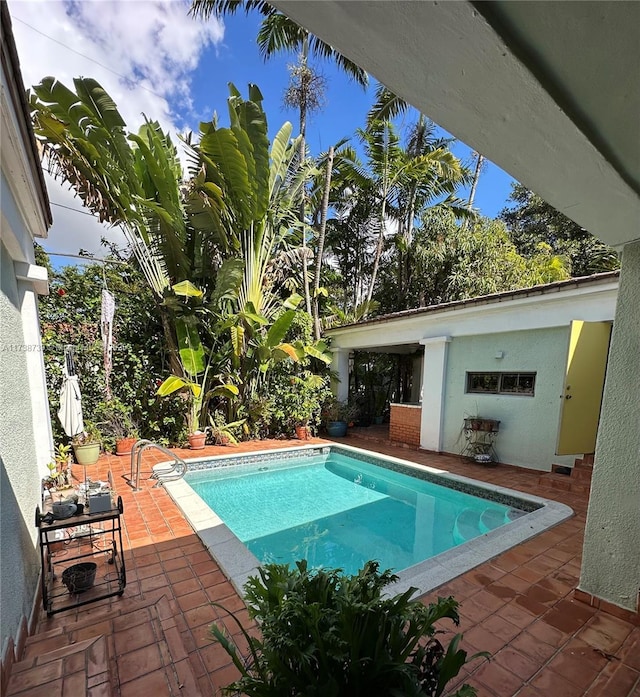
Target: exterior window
<point>502,383</point>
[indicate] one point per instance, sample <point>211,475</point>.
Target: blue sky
<point>152,57</point>
<point>347,104</point>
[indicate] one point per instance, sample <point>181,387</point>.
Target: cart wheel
<point>111,560</point>
<point>120,593</point>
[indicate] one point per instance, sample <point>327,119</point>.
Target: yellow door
<point>583,385</point>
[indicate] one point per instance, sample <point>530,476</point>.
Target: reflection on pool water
<point>339,511</point>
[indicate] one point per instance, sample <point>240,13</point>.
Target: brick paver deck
<point>154,640</point>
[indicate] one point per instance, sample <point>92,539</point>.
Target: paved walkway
<point>155,640</point>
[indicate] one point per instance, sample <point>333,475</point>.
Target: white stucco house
<point>25,429</point>
<point>549,91</point>
<point>532,359</point>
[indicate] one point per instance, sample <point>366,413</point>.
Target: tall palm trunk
<point>379,248</point>
<point>476,176</point>
<point>301,155</point>
<point>321,236</point>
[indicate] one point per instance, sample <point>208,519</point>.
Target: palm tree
<point>279,34</point>
<point>401,181</point>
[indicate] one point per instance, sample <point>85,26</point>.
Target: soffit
<point>446,59</point>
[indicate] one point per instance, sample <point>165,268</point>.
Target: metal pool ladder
<point>166,472</point>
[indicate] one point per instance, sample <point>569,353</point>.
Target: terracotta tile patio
<point>154,640</point>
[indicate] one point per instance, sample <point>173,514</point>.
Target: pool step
<point>490,519</point>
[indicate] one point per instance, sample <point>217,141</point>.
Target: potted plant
<point>221,431</point>
<point>379,404</point>
<point>86,445</point>
<point>117,426</point>
<point>337,416</point>
<point>58,477</point>
<point>194,396</point>
<point>331,630</point>
<point>301,402</point>
<point>195,368</point>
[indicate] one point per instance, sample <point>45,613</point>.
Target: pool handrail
<point>177,471</point>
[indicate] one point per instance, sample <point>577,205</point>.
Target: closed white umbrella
<point>70,411</point>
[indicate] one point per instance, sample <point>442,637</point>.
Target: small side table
<point>88,537</point>
<point>480,435</point>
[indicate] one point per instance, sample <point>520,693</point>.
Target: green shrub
<point>326,634</point>
<point>70,316</point>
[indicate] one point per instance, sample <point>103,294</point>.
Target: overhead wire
<point>69,208</point>
<point>93,60</point>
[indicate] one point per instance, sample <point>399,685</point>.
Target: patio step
<point>578,480</point>
<point>71,670</point>
<point>563,482</point>
<point>109,647</point>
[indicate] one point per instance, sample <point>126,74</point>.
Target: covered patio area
<point>520,606</point>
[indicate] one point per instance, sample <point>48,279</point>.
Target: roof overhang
<point>546,90</point>
<point>525,310</point>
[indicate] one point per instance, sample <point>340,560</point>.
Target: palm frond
<point>206,8</point>
<point>278,33</point>
<point>321,49</point>
<point>386,106</point>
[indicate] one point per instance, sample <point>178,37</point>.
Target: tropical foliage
<point>531,221</point>
<point>224,247</point>
<point>215,238</point>
<point>452,260</point>
<point>329,634</point>
<point>70,317</point>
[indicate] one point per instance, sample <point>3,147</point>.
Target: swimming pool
<point>339,506</point>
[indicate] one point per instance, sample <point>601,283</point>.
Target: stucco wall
<point>20,479</point>
<point>611,558</point>
<point>528,425</point>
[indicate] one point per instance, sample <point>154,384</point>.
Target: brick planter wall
<point>404,425</point>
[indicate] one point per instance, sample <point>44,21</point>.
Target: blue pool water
<point>338,511</point>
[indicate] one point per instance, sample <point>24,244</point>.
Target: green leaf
<point>314,352</point>
<point>227,390</point>
<point>187,289</point>
<point>279,328</point>
<point>237,339</point>
<point>190,347</point>
<point>170,385</point>
<point>293,301</point>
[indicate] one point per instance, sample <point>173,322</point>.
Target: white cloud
<point>143,52</point>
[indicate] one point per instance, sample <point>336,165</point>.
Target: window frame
<point>489,375</point>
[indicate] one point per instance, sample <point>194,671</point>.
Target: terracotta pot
<point>302,433</point>
<point>196,440</point>
<point>124,446</point>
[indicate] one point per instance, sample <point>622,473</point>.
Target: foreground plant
<point>327,634</point>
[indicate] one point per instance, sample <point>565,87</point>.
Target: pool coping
<point>238,562</point>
